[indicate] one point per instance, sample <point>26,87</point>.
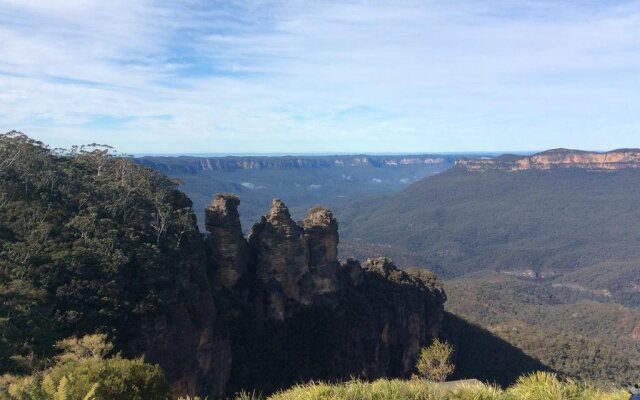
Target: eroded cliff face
<point>560,158</point>
<point>294,312</point>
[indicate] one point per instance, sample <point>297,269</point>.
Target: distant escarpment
<point>187,164</point>
<point>294,312</point>
<point>559,158</point>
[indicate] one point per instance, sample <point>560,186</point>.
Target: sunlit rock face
<point>560,158</point>
<point>281,257</point>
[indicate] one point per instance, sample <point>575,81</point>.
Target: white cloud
<point>287,76</point>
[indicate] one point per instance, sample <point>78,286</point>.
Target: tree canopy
<point>87,243</point>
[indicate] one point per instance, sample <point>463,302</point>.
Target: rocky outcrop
<point>321,230</point>
<point>560,158</point>
<point>297,313</point>
<point>278,307</point>
<point>228,249</point>
<point>281,258</point>
<point>295,263</point>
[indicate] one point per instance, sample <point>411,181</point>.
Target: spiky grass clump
<point>389,390</point>
<point>547,386</point>
<point>538,386</point>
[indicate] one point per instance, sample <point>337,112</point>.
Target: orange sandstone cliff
<point>559,158</point>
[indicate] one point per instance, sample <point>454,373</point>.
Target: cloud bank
<point>346,76</point>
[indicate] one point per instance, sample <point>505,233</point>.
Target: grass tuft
<point>537,386</point>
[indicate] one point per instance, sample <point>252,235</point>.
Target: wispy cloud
<point>250,76</point>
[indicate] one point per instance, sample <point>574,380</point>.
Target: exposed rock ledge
<point>559,158</point>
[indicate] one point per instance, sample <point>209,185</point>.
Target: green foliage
<point>533,387</point>
<point>435,361</point>
<point>89,346</point>
<point>428,278</point>
<point>192,398</point>
<point>88,242</point>
<point>82,374</point>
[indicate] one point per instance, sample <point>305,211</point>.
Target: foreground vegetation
<point>538,386</point>
<point>85,369</point>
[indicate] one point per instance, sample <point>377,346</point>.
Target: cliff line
<point>559,158</point>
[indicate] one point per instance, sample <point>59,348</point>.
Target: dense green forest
<point>581,338</point>
<point>86,245</point>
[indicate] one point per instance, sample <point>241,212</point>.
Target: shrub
<point>82,374</point>
<point>434,362</point>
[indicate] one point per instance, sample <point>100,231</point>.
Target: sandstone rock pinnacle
<point>226,241</point>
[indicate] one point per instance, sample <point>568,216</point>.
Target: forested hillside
<point>87,243</point>
<point>540,251</point>
<point>579,337</point>
<point>541,222</point>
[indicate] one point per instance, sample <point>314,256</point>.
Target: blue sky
<point>252,76</point>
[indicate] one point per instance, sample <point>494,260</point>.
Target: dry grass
<point>538,386</point>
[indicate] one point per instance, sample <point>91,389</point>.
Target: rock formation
<point>277,308</point>
<point>294,312</point>
<point>229,252</point>
<point>559,158</point>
